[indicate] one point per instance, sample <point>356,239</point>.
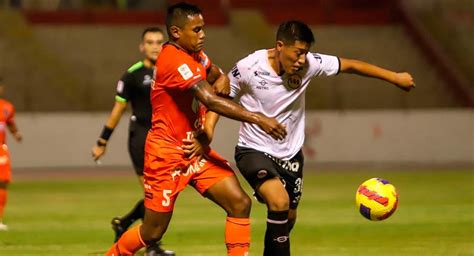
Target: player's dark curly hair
<point>178,13</point>
<point>293,30</point>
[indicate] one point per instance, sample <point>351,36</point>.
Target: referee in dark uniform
<point>134,87</point>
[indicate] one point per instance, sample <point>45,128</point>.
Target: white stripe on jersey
<point>258,88</point>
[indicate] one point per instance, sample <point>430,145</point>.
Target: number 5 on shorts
<point>166,195</point>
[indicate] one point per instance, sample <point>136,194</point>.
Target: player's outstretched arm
<point>98,150</point>
<point>204,93</point>
<point>402,80</point>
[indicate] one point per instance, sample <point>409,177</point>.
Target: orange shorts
<point>164,179</point>
<point>5,172</point>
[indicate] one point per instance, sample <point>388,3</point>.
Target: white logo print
<point>120,86</point>
<point>185,72</point>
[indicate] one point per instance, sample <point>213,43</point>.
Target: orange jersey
<point>175,111</point>
<point>7,112</point>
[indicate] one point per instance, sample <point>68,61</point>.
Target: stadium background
<point>61,59</point>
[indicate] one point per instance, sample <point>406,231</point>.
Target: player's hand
<point>18,137</point>
<point>272,127</point>
<point>222,85</point>
<point>97,152</point>
<point>197,146</point>
<point>404,81</point>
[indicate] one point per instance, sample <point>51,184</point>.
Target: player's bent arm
<point>13,128</point>
<point>211,120</point>
<point>219,81</point>
<point>402,80</point>
<point>203,92</point>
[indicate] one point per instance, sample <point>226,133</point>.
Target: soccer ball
<point>376,199</point>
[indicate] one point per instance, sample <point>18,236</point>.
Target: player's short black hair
<point>293,30</point>
<point>178,13</point>
<point>151,29</point>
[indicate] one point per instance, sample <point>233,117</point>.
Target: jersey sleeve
<point>237,77</point>
<point>325,65</point>
<point>124,88</point>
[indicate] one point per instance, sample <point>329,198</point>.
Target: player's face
<point>292,57</point>
<point>151,45</point>
<point>191,35</point>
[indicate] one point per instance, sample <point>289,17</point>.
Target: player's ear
<point>174,31</point>
<point>279,45</point>
<point>141,47</point>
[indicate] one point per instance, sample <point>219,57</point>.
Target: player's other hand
<point>97,152</point>
<point>272,127</point>
<point>198,146</point>
<point>18,137</point>
<point>404,81</point>
<point>222,85</point>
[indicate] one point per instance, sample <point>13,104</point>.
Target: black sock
<point>136,213</point>
<point>277,239</point>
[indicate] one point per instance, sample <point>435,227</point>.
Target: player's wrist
<point>101,142</point>
<point>106,133</point>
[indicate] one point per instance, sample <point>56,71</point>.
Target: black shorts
<point>257,167</point>
<point>137,133</point>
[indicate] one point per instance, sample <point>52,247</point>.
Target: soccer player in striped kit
<point>273,82</point>
<point>7,114</point>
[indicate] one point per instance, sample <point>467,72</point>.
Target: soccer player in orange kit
<point>7,113</point>
<point>176,150</point>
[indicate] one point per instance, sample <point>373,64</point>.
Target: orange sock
<point>128,244</point>
<point>237,236</point>
<point>3,201</point>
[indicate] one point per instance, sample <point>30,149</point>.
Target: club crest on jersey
<point>294,81</point>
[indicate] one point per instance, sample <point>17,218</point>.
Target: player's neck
<point>274,63</point>
<point>148,63</point>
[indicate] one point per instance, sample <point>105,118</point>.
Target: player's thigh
<point>136,146</point>
<point>217,181</point>
<point>5,168</point>
<point>255,166</point>
<point>291,172</point>
<point>161,185</point>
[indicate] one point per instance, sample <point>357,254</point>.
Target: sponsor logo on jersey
<point>235,72</point>
<point>261,73</point>
<point>204,60</point>
<point>185,71</point>
<point>120,86</point>
<point>294,81</point>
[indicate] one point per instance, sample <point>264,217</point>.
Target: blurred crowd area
<point>75,66</point>
<point>85,4</point>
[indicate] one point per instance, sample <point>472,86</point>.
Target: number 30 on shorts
<point>166,196</point>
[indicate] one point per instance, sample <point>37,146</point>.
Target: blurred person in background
<point>7,114</point>
<point>274,81</point>
<point>177,153</point>
<point>134,88</point>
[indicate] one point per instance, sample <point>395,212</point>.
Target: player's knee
<point>278,203</point>
<point>240,207</point>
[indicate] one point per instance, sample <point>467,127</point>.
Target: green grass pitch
<point>71,216</point>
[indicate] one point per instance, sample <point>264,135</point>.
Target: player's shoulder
<point>136,67</point>
<point>5,104</point>
<point>252,61</point>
